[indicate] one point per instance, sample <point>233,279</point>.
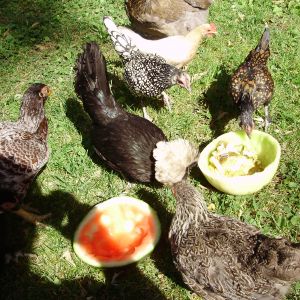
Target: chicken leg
<point>267,117</point>
<point>31,217</point>
<point>146,115</point>
<point>167,100</point>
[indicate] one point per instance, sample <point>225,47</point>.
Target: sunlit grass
<point>39,41</point>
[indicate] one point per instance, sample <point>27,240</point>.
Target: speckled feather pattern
<point>220,257</point>
<point>23,152</point>
<point>253,77</point>
<point>149,75</point>
<point>146,74</point>
<point>223,258</point>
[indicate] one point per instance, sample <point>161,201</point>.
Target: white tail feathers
<point>172,159</point>
<point>122,43</point>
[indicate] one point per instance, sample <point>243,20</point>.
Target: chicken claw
<point>167,100</point>
<point>31,217</point>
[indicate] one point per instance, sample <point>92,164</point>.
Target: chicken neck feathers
<point>23,147</point>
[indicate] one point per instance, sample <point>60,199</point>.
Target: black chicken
<point>23,151</point>
<point>124,141</point>
<point>252,84</point>
<point>146,74</point>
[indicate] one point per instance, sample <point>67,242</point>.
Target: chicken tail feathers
<point>264,41</point>
<point>281,258</point>
<point>172,160</point>
<point>91,85</point>
<point>122,43</point>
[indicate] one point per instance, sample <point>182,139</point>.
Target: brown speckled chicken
<point>124,141</point>
<point>252,85</point>
<point>157,19</point>
<point>146,74</point>
<point>23,151</point>
<point>221,258</point>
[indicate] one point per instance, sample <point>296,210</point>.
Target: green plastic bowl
<point>268,151</point>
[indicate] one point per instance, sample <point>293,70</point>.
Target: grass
<point>39,41</point>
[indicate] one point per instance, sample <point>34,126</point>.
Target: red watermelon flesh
<point>117,232</point>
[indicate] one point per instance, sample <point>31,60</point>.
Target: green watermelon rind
<point>81,253</point>
<point>268,150</point>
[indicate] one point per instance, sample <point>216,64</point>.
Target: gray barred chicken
<point>252,85</point>
<point>23,152</point>
<point>147,75</point>
<point>221,258</point>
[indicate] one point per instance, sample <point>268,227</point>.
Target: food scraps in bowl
<point>234,160</point>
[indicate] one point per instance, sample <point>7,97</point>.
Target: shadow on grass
<point>27,23</point>
<point>219,103</point>
<point>83,124</point>
<point>31,23</point>
<point>18,237</point>
<point>162,255</point>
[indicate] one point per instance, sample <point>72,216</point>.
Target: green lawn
<point>39,42</point>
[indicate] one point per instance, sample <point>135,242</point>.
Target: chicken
<point>124,141</point>
<point>146,74</point>
<point>184,47</point>
<point>220,258</point>
<point>23,152</point>
<point>157,19</point>
<point>252,85</point>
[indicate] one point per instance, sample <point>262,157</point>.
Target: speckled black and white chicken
<point>147,75</point>
<point>252,85</point>
<point>23,152</point>
<point>124,141</point>
<point>221,258</point>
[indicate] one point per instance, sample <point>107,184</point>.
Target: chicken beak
<point>248,130</point>
<point>188,88</point>
<point>212,31</point>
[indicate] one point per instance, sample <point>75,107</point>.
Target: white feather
<point>172,159</point>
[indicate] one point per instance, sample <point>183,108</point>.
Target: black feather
<point>123,140</point>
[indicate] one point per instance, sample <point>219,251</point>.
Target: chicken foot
<point>145,114</point>
<point>30,217</point>
<point>167,100</point>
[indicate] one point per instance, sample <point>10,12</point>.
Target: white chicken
<point>177,50</point>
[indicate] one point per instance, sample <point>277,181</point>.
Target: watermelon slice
<point>117,232</point>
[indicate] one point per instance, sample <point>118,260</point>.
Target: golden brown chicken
<point>157,19</point>
<point>23,151</point>
<point>220,258</point>
<point>252,85</point>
